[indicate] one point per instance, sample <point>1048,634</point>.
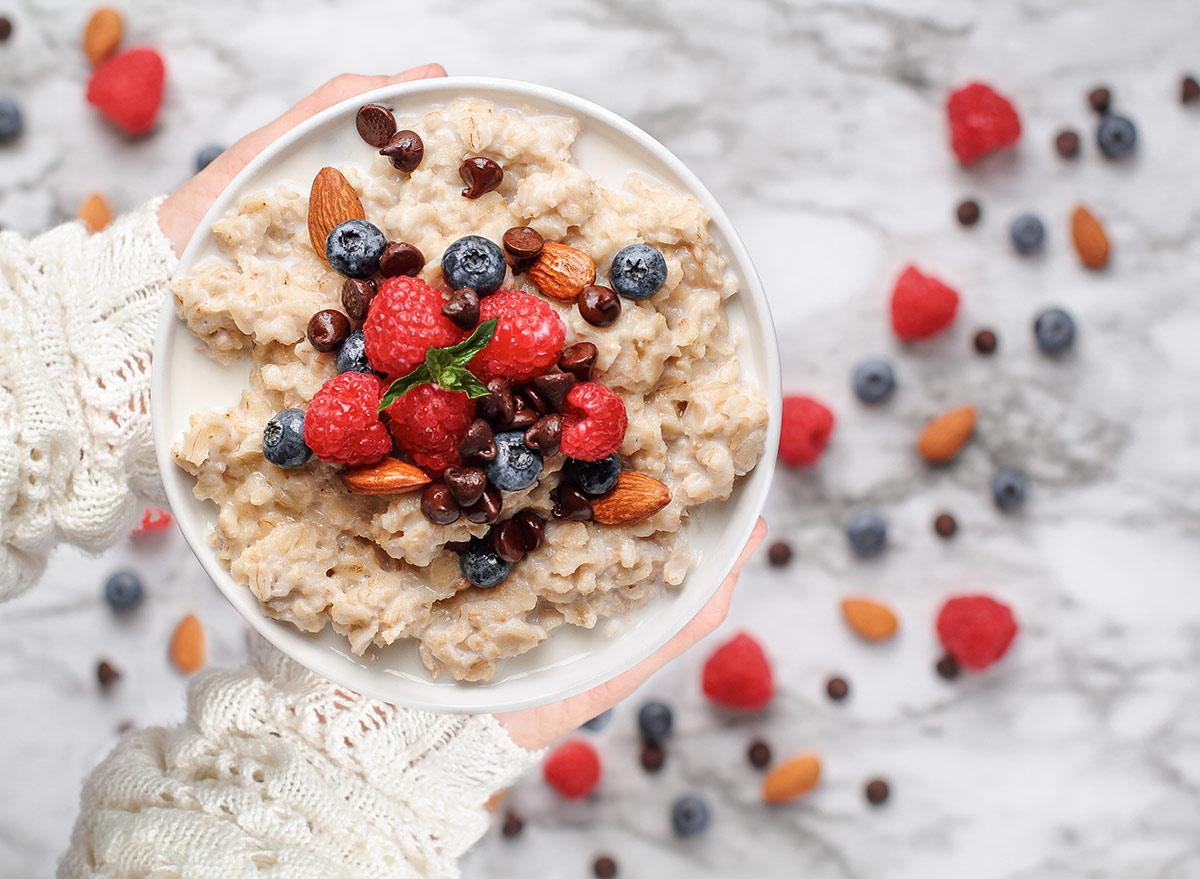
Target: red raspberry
<point>404,321</point>
<point>128,88</point>
<point>976,630</point>
<point>573,769</point>
<point>804,432</point>
<point>980,121</point>
<point>429,422</point>
<point>594,422</point>
<point>528,339</point>
<point>737,675</point>
<point>342,423</point>
<point>153,520</point>
<point>922,306</point>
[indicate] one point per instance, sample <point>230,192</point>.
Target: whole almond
<point>331,202</point>
<point>1090,241</point>
<point>187,645</point>
<point>870,619</point>
<point>944,436</point>
<point>792,779</point>
<point>389,476</point>
<point>102,35</point>
<point>635,497</point>
<point>95,213</point>
<point>561,272</point>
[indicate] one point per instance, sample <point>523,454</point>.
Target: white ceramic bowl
<point>186,380</point>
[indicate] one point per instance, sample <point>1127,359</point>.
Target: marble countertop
<point>819,126</point>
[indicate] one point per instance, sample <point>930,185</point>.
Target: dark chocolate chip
<point>653,756</point>
<point>985,342</point>
<point>944,525</point>
<point>604,867</point>
<point>437,503</point>
<point>498,406</point>
<point>481,175</point>
<point>523,415</point>
<point>327,329</point>
<point>545,434</point>
<point>507,541</point>
<point>401,259</point>
<point>1189,90</point>
<point>967,212</point>
<point>599,305</point>
<point>570,504</point>
<point>523,244</point>
<point>405,149</point>
<point>486,510</point>
<point>356,297</point>
<point>947,667</point>
<point>375,124</point>
<point>554,387</point>
<point>1066,144</point>
<point>533,529</point>
<point>533,397</point>
<point>513,825</point>
<point>837,688</point>
<point>579,360</point>
<point>779,553</point>
<point>877,791</point>
<point>759,754</point>
<point>6,28</point>
<point>106,674</point>
<point>478,442</point>
<point>462,308</point>
<point>1099,99</point>
<point>466,484</point>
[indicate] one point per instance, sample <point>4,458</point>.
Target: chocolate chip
<point>545,434</point>
<point>759,754</point>
<point>523,415</point>
<point>947,667</point>
<point>401,259</point>
<point>481,175</point>
<point>507,541</point>
<point>533,529</point>
<point>779,553</point>
<point>554,387</point>
<point>570,504</point>
<point>534,398</point>
<point>599,305</point>
<point>498,406</point>
<point>486,510</point>
<point>967,212</point>
<point>478,442</point>
<point>604,867</point>
<point>462,308</point>
<point>356,297</point>
<point>986,342</point>
<point>837,688</point>
<point>579,360</point>
<point>1066,144</point>
<point>513,825</point>
<point>437,503</point>
<point>653,756</point>
<point>944,525</point>
<point>523,244</point>
<point>327,329</point>
<point>1099,99</point>
<point>6,28</point>
<point>1189,90</point>
<point>405,149</point>
<point>106,674</point>
<point>375,124</point>
<point>877,791</point>
<point>466,484</point>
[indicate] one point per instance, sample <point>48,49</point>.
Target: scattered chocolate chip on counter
<point>837,689</point>
<point>968,212</point>
<point>779,553</point>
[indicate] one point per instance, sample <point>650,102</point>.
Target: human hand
<point>181,212</point>
<point>534,728</point>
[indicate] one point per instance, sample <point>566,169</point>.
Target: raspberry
<point>128,88</point>
<point>342,423</point>
<point>922,306</point>
<point>976,630</point>
<point>594,422</point>
<point>429,422</point>
<point>404,321</point>
<point>980,121</point>
<point>153,520</point>
<point>804,432</point>
<point>573,769</point>
<point>529,337</point>
<point>737,675</point>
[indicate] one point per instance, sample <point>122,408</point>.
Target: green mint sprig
<point>447,368</point>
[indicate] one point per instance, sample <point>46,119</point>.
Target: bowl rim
<point>749,503</point>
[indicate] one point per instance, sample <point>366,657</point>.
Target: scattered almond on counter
<point>95,213</point>
<point>791,780</point>
<point>102,35</point>
<point>188,650</point>
<point>870,619</point>
<point>1091,242</point>
<point>944,436</point>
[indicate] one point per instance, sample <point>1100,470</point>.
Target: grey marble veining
<point>819,126</point>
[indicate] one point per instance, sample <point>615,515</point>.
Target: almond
<point>331,202</point>
<point>187,645</point>
<point>102,35</point>
<point>561,272</point>
<point>635,497</point>
<point>389,476</point>
<point>1090,241</point>
<point>870,619</point>
<point>95,213</point>
<point>944,436</point>
<point>792,780</point>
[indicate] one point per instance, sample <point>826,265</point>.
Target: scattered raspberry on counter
<point>976,630</point>
<point>922,306</point>
<point>738,675</point>
<point>573,769</point>
<point>127,89</point>
<point>981,121</point>
<point>805,430</point>
<point>153,520</point>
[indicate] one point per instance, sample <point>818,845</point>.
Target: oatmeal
<point>376,567</point>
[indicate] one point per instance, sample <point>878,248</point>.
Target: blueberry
<point>594,477</point>
<point>1116,136</point>
<point>352,356</point>
<point>283,439</point>
<point>482,566</point>
<point>655,721</point>
<point>1054,331</point>
<point>123,590</point>
<point>1028,233</point>
<point>600,721</point>
<point>638,271</point>
<point>867,533</point>
<point>354,247</point>
<point>689,815</point>
<point>1009,488</point>
<point>516,466</point>
<point>874,381</point>
<point>206,155</point>
<point>10,120</point>
<point>474,262</point>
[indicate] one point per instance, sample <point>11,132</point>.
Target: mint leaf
<point>447,368</point>
<point>468,383</point>
<point>404,384</point>
<point>474,343</point>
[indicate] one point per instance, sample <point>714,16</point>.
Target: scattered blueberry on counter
<point>867,533</point>
<point>123,591</point>
<point>600,721</point>
<point>1116,136</point>
<point>1028,234</point>
<point>689,816</point>
<point>205,157</point>
<point>655,721</point>
<point>874,381</point>
<point>1054,330</point>
<point>11,122</point>
<point>1009,489</point>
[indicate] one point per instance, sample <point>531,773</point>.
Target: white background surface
<point>819,127</point>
